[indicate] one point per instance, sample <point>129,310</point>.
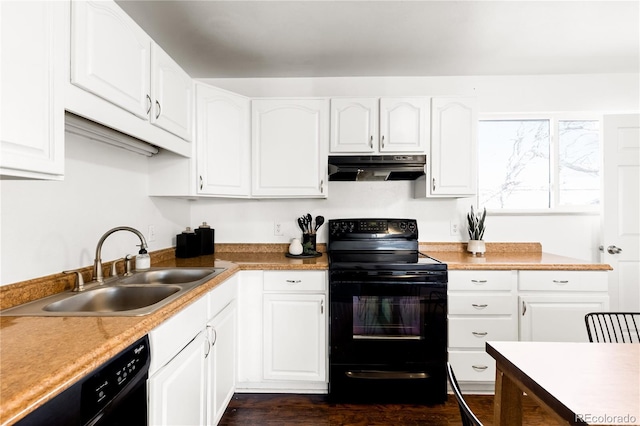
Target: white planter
<point>476,247</point>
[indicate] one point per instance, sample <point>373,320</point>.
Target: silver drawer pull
<point>294,281</point>
<point>479,367</point>
<point>479,281</point>
<point>479,333</point>
<point>561,281</point>
<point>481,306</point>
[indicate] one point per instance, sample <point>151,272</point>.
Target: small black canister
<point>206,235</point>
<point>187,244</point>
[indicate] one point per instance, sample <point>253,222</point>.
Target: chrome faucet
<point>98,275</point>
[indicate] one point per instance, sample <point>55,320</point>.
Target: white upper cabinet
<point>223,142</point>
<point>33,38</point>
<point>172,94</point>
<point>379,125</point>
<point>121,79</point>
<point>354,125</point>
<point>289,147</point>
<point>110,55</point>
<point>452,161</point>
<point>404,124</point>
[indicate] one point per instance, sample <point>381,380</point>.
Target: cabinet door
<point>223,142</point>
<point>404,125</point>
<point>172,95</point>
<point>32,109</point>
<point>558,318</point>
<point>453,147</point>
<point>110,55</point>
<point>221,363</point>
<point>177,391</point>
<point>289,142</point>
<point>294,337</point>
<point>354,125</point>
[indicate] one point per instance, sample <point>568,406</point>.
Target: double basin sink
<point>139,294</point>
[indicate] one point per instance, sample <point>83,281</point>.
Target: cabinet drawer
<point>563,280</point>
<point>482,280</point>
<point>481,304</point>
<point>473,366</point>
<point>295,281</point>
<point>474,332</point>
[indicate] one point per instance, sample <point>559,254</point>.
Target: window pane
<point>513,167</point>
<point>579,162</point>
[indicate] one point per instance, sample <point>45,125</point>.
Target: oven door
<point>386,330</point>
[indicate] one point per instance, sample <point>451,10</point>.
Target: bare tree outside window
<point>517,159</point>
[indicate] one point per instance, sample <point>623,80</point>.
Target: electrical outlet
<point>454,228</point>
<point>151,235</point>
<point>277,229</point>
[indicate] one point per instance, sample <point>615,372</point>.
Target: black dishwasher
<point>113,394</point>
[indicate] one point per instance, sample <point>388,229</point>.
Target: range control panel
<point>373,228</point>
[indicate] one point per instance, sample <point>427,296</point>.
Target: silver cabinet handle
<point>294,281</point>
<point>434,183</point>
<point>149,103</point>
<point>524,308</point>
<point>614,250</point>
<point>321,307</point>
<point>478,281</point>
<point>322,186</point>
<point>201,182</point>
<point>383,141</point>
<point>479,367</point>
<point>371,142</point>
<point>479,306</point>
<point>561,281</point>
<point>479,333</point>
<point>158,108</point>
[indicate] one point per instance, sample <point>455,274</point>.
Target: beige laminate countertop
<point>42,356</point>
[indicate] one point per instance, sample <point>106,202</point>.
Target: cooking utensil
<point>319,222</point>
<point>309,221</point>
<point>301,225</point>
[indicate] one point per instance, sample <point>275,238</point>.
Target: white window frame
<point>553,118</point>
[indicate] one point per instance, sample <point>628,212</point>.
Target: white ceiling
<point>393,38</point>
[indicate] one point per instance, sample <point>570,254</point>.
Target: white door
<point>223,142</point>
<point>110,55</point>
<point>177,391</point>
<point>294,337</point>
<point>354,125</point>
<point>404,124</point>
<point>172,94</point>
<point>621,199</point>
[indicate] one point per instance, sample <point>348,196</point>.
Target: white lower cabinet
<point>521,305</point>
<point>177,390</point>
<point>553,304</point>
<point>282,335</point>
<point>193,357</point>
<point>482,306</point>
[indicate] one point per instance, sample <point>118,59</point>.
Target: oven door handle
<point>385,375</point>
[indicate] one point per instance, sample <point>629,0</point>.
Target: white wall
<point>50,226</point>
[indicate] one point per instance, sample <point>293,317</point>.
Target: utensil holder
<point>309,243</point>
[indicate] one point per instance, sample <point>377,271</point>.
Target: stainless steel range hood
<point>376,167</point>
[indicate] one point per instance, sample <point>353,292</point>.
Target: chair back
<point>468,418</point>
<point>613,327</point>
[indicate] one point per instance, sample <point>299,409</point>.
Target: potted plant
<point>476,226</point>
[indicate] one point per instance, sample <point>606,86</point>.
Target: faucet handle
<point>79,280</point>
<point>114,267</point>
<point>127,265</point>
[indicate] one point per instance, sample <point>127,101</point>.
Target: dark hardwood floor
<point>294,410</point>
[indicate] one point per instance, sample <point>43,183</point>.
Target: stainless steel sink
<point>139,294</point>
<point>113,299</point>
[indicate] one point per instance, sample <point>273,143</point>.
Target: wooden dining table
<point>579,383</point>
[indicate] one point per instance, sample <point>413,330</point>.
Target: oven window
<point>386,317</point>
